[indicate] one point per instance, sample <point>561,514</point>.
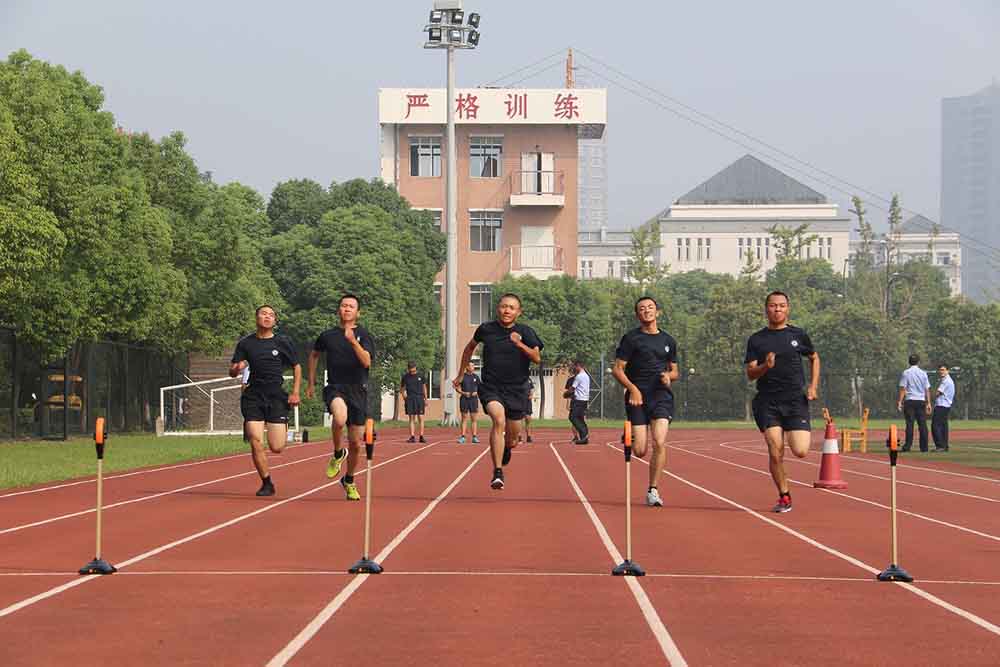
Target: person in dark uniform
<point>646,366</point>
<point>509,349</point>
<point>531,411</point>
<point>349,349</point>
<point>414,389</point>
<point>781,407</point>
<point>468,403</point>
<point>264,403</point>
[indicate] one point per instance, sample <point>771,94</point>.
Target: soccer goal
<point>206,407</point>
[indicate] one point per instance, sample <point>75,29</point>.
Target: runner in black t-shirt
<point>414,389</point>
<point>781,407</point>
<point>508,350</point>
<point>646,365</point>
<point>468,404</point>
<point>264,403</point>
<point>349,350</point>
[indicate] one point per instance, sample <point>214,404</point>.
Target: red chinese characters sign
<point>419,101</point>
<point>499,106</point>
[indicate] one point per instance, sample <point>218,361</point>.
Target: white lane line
<point>958,611</point>
<point>314,626</point>
<point>995,480</point>
<point>866,474</point>
<point>154,496</point>
<point>873,503</point>
<point>667,644</point>
<point>6,611</point>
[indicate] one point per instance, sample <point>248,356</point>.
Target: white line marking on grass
<point>314,626</point>
<point>667,644</point>
<point>995,480</point>
<point>967,615</point>
<point>842,494</point>
<point>158,550</point>
<point>866,474</point>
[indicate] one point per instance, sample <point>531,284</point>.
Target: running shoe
<point>653,498</point>
<point>266,488</point>
<point>497,483</point>
<point>411,439</point>
<point>422,439</point>
<point>529,439</point>
<point>461,439</point>
<point>475,439</point>
<point>783,505</point>
<point>351,489</point>
<point>333,467</point>
<point>506,455</point>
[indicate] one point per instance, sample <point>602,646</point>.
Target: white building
<point>604,254</point>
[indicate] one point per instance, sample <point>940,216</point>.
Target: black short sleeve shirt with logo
<point>267,358</point>
<point>646,356</point>
<point>342,364</point>
<point>504,362</point>
<point>470,383</point>
<point>413,383</point>
<point>789,345</point>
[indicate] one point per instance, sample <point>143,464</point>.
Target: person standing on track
<point>580,399</point>
<point>914,402</point>
<point>468,403</point>
<point>942,407</point>
<point>781,407</point>
<point>349,350</point>
<point>414,389</point>
<point>646,366</point>
<point>509,349</point>
<point>264,403</point>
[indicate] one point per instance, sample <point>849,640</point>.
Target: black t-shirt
<point>342,364</point>
<point>789,345</point>
<point>503,362</point>
<point>414,384</point>
<point>646,356</point>
<point>267,358</point>
<point>470,383</point>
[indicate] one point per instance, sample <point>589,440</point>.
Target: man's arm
<point>533,353</point>
<point>293,398</point>
<point>427,394</point>
<point>618,372</point>
<point>813,391</point>
<point>238,362</point>
<point>360,352</point>
<point>311,382</point>
<point>755,370</point>
<point>902,395</point>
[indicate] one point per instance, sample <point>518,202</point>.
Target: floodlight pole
<point>451,268</point>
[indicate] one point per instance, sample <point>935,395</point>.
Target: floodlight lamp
<point>455,35</point>
<point>437,16</point>
<point>457,16</point>
<point>473,38</point>
<point>434,35</point>
<point>474,20</point>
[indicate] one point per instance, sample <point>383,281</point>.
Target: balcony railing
<point>538,188</point>
<point>536,258</point>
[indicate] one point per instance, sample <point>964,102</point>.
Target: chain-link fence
<point>63,397</point>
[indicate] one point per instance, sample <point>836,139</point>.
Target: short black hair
<point>776,292</point>
<point>914,359</point>
<point>943,365</point>
<point>510,295</point>
<point>348,295</point>
<point>411,364</point>
<point>644,298</point>
<point>262,307</point>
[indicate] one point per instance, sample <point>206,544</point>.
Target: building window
<point>586,268</point>
<point>434,384</point>
<point>767,248</point>
<point>486,227</point>
<point>944,259</point>
<point>739,243</point>
<point>485,156</point>
<point>687,250</point>
<point>701,249</point>
<point>759,246</point>
<point>611,269</point>
<point>625,269</point>
<point>829,247</point>
<point>708,250</point>
<point>680,249</point>
<point>436,213</point>
<point>480,297</point>
<point>425,156</point>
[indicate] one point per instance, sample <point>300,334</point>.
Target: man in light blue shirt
<point>942,406</point>
<point>578,404</point>
<point>915,401</point>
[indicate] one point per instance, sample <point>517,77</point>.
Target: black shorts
<point>356,398</point>
<point>513,398</point>
<point>791,413</point>
<point>414,405</point>
<point>468,404</point>
<point>656,404</point>
<point>264,405</point>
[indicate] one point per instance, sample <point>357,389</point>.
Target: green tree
<point>864,259</point>
<point>789,241</point>
<point>297,202</point>
<point>646,246</point>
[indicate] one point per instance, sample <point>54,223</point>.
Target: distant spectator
<point>581,398</point>
<point>942,407</point>
<point>914,401</point>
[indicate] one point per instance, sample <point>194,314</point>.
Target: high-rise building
<point>970,186</point>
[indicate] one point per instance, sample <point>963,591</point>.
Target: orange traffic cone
<point>829,468</point>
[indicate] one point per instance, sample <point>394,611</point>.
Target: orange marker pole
<point>894,572</point>
<point>627,568</point>
<point>99,565</point>
<point>367,565</point>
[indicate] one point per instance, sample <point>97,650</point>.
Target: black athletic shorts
<point>264,405</point>
<point>513,398</point>
<point>791,413</point>
<point>356,398</point>
<point>656,404</point>
<point>468,404</point>
<point>414,405</point>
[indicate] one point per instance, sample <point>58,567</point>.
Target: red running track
<point>210,574</point>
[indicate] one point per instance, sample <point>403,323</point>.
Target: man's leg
<point>798,442</point>
<point>921,416</point>
<point>639,440</point>
<point>420,424</point>
<point>499,417</point>
<point>474,418</point>
<point>465,418</point>
<point>659,429</point>
<point>576,419</point>
<point>936,428</point>
<point>355,434</point>
<point>945,426</point>
<point>909,416</point>
<point>412,419</point>
<point>255,431</point>
<point>277,437</point>
<point>774,437</point>
<point>338,418</point>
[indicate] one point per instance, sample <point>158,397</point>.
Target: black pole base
<point>894,573</point>
<point>98,566</point>
<point>366,566</point>
<point>628,569</point>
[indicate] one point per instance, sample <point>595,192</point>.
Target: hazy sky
<point>267,91</point>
